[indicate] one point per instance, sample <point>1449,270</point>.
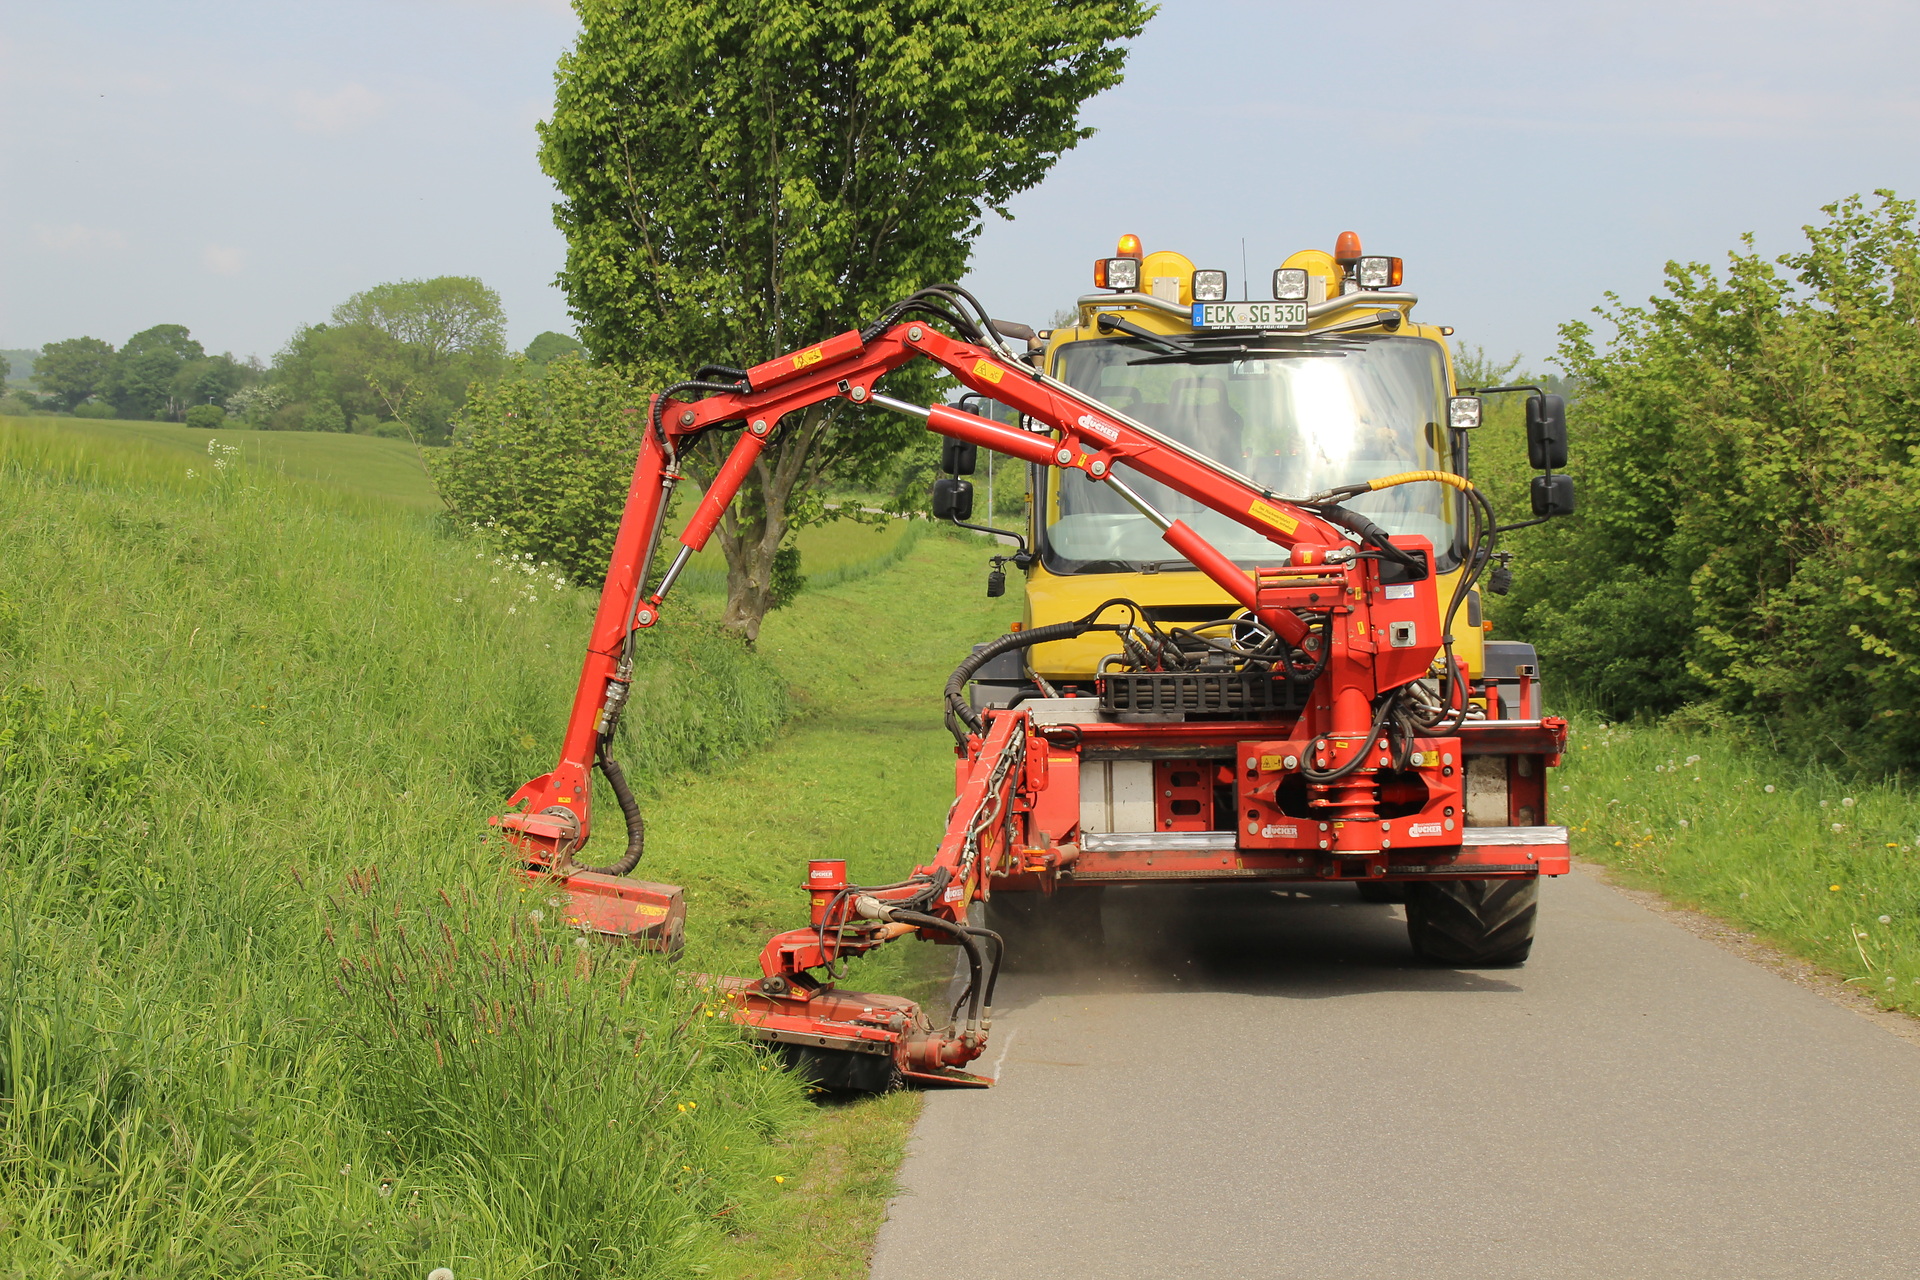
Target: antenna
<point>1244,297</point>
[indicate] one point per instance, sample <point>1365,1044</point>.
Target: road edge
<point>1753,948</point>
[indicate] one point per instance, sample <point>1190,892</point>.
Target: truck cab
<point>1337,384</point>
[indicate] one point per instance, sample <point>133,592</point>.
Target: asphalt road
<point>1263,1085</point>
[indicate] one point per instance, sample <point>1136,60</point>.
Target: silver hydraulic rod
<point>1137,502</point>
<point>673,572</point>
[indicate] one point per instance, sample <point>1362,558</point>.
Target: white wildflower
<point>536,915</point>
<point>1685,823</point>
<point>1886,919</point>
<point>1768,788</point>
<point>1823,804</point>
<point>1839,826</point>
<point>1846,802</point>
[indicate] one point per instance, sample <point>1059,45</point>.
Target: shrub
<point>542,464</point>
<point>93,409</point>
<point>207,415</point>
<point>1750,457</point>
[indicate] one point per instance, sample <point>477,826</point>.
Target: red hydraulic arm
<point>788,1003</point>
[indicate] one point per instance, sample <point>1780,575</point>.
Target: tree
<point>401,352</point>
<point>740,177</point>
<point>141,383</point>
<point>550,346</point>
<point>74,371</point>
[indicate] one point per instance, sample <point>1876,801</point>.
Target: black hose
<point>1358,758</point>
<point>660,401</point>
<point>636,825</point>
<point>960,716</point>
<point>976,962</point>
<point>999,952</point>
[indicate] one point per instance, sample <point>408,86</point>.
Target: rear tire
<point>1472,924</point>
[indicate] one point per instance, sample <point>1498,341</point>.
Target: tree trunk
<point>757,521</point>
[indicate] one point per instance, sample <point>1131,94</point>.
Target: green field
<point>253,727</point>
<point>372,467</point>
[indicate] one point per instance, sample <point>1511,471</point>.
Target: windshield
<point>1296,415</point>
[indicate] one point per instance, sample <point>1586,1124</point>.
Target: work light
<point>1379,273</point>
<point>1290,284</point>
<point>1209,286</point>
<point>1117,273</point>
<point>1463,412</point>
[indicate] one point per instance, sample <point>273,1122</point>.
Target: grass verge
<point>1826,869</point>
<point>250,734</point>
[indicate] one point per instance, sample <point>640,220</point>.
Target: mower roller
<point>1297,709</point>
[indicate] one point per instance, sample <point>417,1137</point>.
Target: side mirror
<point>953,499</point>
<point>996,583</point>
<point>1546,433</point>
<point>1552,495</point>
<point>959,457</point>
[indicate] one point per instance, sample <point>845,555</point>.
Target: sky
<point>242,167</point>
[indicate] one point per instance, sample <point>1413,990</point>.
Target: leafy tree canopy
<point>550,346</point>
<point>399,355</point>
<point>741,177</point>
<point>74,370</point>
<point>141,384</point>
<point>1749,452</point>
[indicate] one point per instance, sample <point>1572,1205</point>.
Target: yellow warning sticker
<point>1269,764</point>
<point>810,356</point>
<point>991,372</point>
<point>1273,516</point>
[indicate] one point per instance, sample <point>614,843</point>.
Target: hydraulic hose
<point>630,809</point>
<point>960,716</point>
<point>964,935</point>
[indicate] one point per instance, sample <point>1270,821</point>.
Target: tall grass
<point>270,1005</point>
<point>1827,867</point>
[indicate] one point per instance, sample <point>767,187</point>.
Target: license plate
<point>1249,315</point>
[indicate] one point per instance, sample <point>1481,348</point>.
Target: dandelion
<point>440,1273</point>
<point>1833,888</point>
<point>1768,788</point>
<point>1839,827</point>
<point>346,1169</point>
<point>1685,823</point>
<point>1846,802</point>
<point>536,915</point>
<point>1823,804</point>
<point>1886,919</point>
<point>778,1178</point>
<point>1743,897</point>
<point>386,1187</point>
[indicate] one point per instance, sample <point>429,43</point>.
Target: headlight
<point>1209,286</point>
<point>1290,284</point>
<point>1379,273</point>
<point>1463,412</point>
<point>1117,273</point>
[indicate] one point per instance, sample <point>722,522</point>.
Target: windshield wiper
<point>1107,322</point>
